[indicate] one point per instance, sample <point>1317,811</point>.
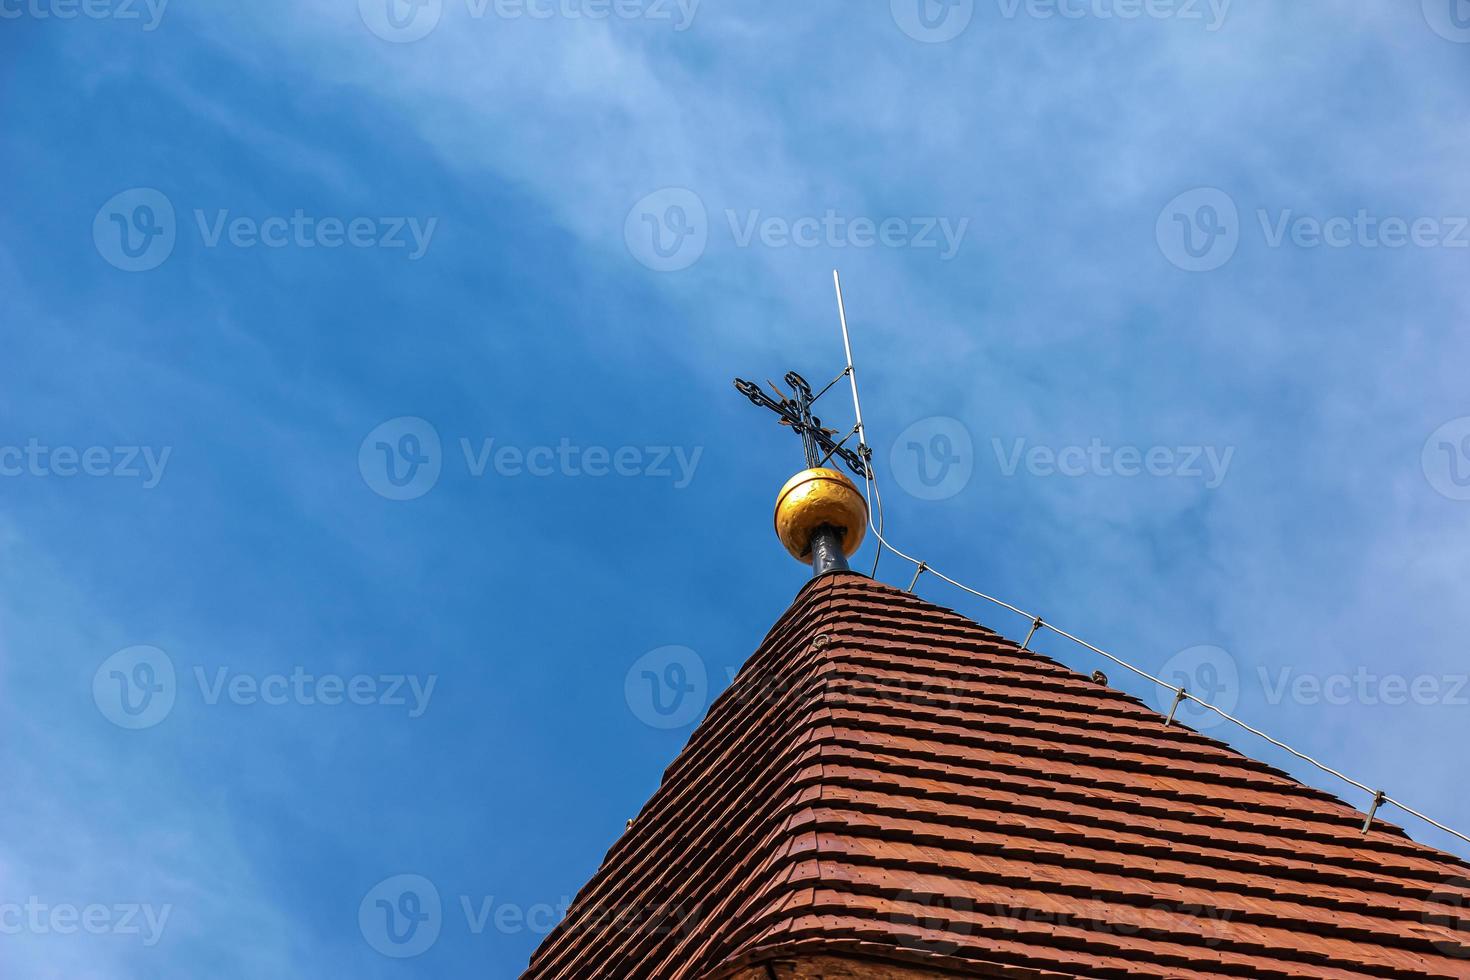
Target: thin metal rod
<point>870,479</point>
<point>1179,697</point>
<point>1036,624</point>
<point>837,447</point>
<point>830,384</point>
<point>1378,799</point>
<point>878,552</point>
<point>917,572</point>
<point>857,408</point>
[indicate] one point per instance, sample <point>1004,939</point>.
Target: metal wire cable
<point>1429,820</point>
<point>872,494</point>
<point>878,552</point>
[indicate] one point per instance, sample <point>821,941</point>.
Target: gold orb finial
<point>815,497</point>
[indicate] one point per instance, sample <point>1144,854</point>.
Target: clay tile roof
<point>885,779</point>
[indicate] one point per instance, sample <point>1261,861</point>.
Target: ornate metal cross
<point>796,411</point>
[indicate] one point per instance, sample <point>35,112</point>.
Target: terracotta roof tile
<point>887,779</point>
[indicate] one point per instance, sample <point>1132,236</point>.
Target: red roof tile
<point>887,779</point>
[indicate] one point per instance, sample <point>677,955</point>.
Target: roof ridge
<point>719,739</point>
<point>718,941</point>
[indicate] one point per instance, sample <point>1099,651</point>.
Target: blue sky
<point>1159,321</point>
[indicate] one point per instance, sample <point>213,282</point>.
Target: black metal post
<point>827,553</point>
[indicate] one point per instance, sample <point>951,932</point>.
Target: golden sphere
<point>815,497</point>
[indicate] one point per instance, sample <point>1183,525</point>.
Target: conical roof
<point>891,784</point>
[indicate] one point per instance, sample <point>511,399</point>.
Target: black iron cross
<point>796,411</point>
